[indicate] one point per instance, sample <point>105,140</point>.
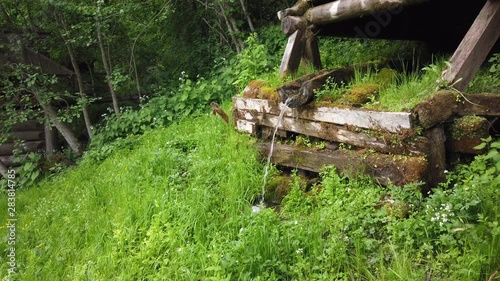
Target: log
<point>465,133</point>
<point>291,24</point>
<point>29,135</point>
<point>389,121</point>
<point>436,109</point>
<point>475,46</point>
<point>335,133</point>
<point>296,10</point>
<point>30,125</point>
<point>26,147</point>
<point>340,10</point>
<point>383,168</point>
<point>480,104</point>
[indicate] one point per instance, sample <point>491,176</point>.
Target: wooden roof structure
<point>26,55</point>
<point>473,26</point>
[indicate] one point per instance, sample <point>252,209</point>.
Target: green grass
<point>175,204</point>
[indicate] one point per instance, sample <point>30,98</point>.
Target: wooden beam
<point>30,125</point>
<point>340,10</point>
<point>311,53</point>
<point>388,121</point>
<point>480,104</point>
<point>296,10</point>
<point>293,53</point>
<point>475,46</point>
<point>436,109</point>
<point>246,126</point>
<point>29,146</point>
<point>436,157</point>
<point>29,135</point>
<point>384,168</point>
<point>335,133</point>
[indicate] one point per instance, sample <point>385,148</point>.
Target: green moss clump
<point>469,126</point>
<point>386,76</point>
<point>363,93</point>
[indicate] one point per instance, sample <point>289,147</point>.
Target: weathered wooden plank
<point>293,53</point>
<point>384,168</point>
<point>480,104</point>
<point>388,121</point>
<point>335,133</point>
<point>475,46</point>
<point>29,135</point>
<point>246,126</point>
<point>436,157</point>
<point>30,146</point>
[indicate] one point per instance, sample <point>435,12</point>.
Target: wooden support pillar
<point>311,50</point>
<point>436,157</point>
<point>475,46</point>
<point>293,53</point>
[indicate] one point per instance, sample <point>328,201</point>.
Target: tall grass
<point>176,205</point>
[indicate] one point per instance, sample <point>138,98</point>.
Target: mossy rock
<point>362,94</point>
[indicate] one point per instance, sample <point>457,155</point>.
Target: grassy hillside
<point>175,204</point>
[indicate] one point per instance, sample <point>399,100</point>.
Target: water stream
<point>258,207</point>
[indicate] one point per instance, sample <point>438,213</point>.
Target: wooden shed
<point>34,135</point>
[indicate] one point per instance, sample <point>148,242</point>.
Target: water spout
<point>266,172</point>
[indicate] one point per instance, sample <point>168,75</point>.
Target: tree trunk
<point>232,32</point>
<point>247,15</point>
<point>68,135</point>
<point>79,78</point>
<point>107,68</point>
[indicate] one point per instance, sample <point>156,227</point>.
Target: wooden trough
<point>392,147</point>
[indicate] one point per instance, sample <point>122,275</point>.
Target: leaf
<point>480,146</point>
<point>34,175</point>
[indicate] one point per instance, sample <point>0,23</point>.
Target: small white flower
<point>299,251</point>
<point>179,250</point>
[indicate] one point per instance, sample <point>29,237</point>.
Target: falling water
<point>280,118</point>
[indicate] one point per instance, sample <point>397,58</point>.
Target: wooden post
<point>436,157</point>
<point>311,51</point>
<point>475,46</point>
<point>293,53</point>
